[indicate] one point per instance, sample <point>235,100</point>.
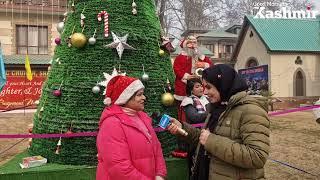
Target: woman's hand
<point>173,127</point>
<point>204,136</point>
<point>159,178</point>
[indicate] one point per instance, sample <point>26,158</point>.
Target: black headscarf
<point>228,82</point>
<point>225,79</point>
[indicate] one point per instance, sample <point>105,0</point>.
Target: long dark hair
<point>190,84</point>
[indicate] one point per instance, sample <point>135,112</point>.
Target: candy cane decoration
<point>106,22</point>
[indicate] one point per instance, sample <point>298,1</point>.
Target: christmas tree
<point>98,36</point>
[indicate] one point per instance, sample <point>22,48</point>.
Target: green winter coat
<point>240,144</point>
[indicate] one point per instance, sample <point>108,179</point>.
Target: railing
<point>34,3</point>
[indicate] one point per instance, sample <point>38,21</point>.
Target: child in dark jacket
<point>194,106</point>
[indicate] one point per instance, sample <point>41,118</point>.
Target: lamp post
<point>316,111</point>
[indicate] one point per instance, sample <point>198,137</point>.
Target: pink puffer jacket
<point>125,151</point>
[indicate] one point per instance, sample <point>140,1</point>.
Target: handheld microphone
<point>165,122</point>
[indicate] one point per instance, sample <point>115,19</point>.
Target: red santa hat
<point>120,89</point>
<point>183,43</point>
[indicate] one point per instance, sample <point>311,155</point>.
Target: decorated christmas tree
<point>97,37</point>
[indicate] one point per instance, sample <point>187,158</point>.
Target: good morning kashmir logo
<point>262,10</point>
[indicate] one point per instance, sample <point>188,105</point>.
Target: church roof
<point>288,34</point>
<point>283,35</point>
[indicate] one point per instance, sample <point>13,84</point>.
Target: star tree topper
<point>119,43</point>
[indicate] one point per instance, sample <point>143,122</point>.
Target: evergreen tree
<point>68,100</point>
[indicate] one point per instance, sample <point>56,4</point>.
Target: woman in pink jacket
<point>128,148</point>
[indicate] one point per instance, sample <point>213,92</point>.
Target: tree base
<point>177,170</point>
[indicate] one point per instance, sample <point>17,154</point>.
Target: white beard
<point>193,53</point>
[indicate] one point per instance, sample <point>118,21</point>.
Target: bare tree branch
<point>181,15</point>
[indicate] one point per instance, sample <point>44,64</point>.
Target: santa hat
<point>184,42</point>
<point>120,89</point>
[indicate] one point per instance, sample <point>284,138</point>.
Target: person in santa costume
<point>185,66</point>
<point>186,63</point>
<point>128,148</point>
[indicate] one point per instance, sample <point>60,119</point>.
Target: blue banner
<point>256,78</point>
<point>3,78</point>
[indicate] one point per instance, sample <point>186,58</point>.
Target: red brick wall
<point>293,102</point>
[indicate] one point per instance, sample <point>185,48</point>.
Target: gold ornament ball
<point>167,99</point>
<point>161,52</point>
<point>78,40</point>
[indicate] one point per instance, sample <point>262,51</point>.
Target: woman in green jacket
<point>235,142</point>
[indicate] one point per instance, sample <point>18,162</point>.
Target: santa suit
<point>182,67</point>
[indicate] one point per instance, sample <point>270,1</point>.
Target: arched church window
<point>252,62</point>
<point>299,83</point>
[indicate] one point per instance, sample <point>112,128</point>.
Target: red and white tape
<point>106,22</point>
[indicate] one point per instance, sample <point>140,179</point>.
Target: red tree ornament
<point>57,92</point>
<point>309,7</point>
